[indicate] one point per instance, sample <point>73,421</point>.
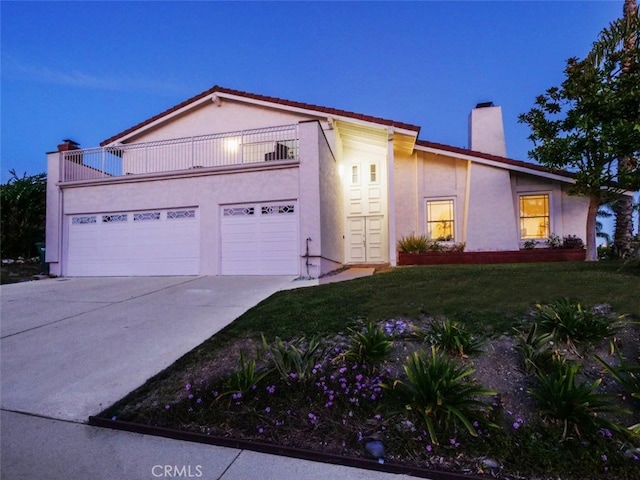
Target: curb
<point>278,450</point>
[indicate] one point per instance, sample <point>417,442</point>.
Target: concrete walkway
<point>71,347</point>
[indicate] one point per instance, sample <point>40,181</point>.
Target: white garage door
<point>153,242</point>
<point>260,239</point>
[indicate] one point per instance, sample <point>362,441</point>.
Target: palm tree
<point>623,207</point>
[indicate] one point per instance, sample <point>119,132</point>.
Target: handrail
<point>212,150</point>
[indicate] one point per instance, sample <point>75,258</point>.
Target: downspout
<point>391,200</point>
<point>467,195</point>
<point>61,258</point>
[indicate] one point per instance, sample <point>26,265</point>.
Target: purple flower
<point>190,396</point>
<point>516,425</point>
<point>428,448</point>
<point>199,400</point>
<point>604,458</point>
<point>167,406</point>
<point>271,388</point>
<point>268,409</point>
<point>260,430</point>
<point>187,387</point>
<point>605,432</point>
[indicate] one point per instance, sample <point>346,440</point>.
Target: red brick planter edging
<point>475,258</point>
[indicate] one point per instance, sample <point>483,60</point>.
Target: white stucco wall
<point>568,213</point>
<point>228,116</point>
<point>207,193</point>
<point>52,222</point>
<point>331,206</point>
<point>407,171</point>
<point>491,222</point>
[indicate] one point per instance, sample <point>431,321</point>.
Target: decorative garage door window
<point>278,209</point>
<point>141,217</point>
<point>83,220</point>
<point>175,214</point>
<point>238,211</point>
<point>114,218</point>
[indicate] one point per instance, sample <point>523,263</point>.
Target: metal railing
<point>215,150</point>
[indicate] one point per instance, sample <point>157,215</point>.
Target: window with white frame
<point>441,220</point>
<point>534,216</point>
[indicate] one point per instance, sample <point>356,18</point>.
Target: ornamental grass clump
<point>438,391</point>
<point>535,351</point>
<point>296,360</point>
<point>413,244</point>
<point>568,321</point>
<point>370,346</point>
<point>243,380</point>
<point>570,404</point>
<point>453,338</point>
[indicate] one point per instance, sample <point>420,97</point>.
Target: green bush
<point>568,321</point>
<point>413,244</point>
<point>563,401</point>
<point>243,380</point>
<point>295,360</point>
<point>453,338</point>
<point>369,346</point>
<point>421,244</point>
<point>535,352</point>
<point>572,241</point>
<point>22,216</point>
<point>437,390</point>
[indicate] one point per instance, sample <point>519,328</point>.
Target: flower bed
<point>515,256</point>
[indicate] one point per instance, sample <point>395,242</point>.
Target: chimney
<point>67,145</point>
<point>486,130</point>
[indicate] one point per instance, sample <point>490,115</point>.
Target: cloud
<point>16,69</point>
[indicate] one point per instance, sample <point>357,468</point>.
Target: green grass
<point>486,299</point>
<point>476,294</point>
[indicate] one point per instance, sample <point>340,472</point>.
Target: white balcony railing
<point>215,150</point>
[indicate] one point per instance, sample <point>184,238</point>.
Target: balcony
<point>181,154</point>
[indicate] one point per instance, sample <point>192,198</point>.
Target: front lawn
<point>349,367</point>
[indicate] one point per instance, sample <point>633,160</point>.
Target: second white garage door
<point>260,239</point>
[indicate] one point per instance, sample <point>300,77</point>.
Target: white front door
<point>366,240</point>
<point>366,228</point>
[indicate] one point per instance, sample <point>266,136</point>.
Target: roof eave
<point>499,162</point>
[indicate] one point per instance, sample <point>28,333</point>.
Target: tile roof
<point>495,158</point>
<point>264,98</point>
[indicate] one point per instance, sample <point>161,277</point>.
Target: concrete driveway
<point>71,347</point>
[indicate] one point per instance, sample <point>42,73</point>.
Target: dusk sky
<point>88,70</point>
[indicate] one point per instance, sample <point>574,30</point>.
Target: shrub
<point>438,391</point>
<point>369,346</point>
<point>535,353</point>
<point>572,241</point>
<point>568,321</point>
<point>295,360</point>
<point>530,244</point>
<point>413,244</point>
<point>453,338</point>
<point>562,401</point>
<point>627,375</point>
<point>243,380</point>
<point>554,241</point>
<point>421,244</point>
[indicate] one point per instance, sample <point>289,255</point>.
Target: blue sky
<point>88,70</point>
